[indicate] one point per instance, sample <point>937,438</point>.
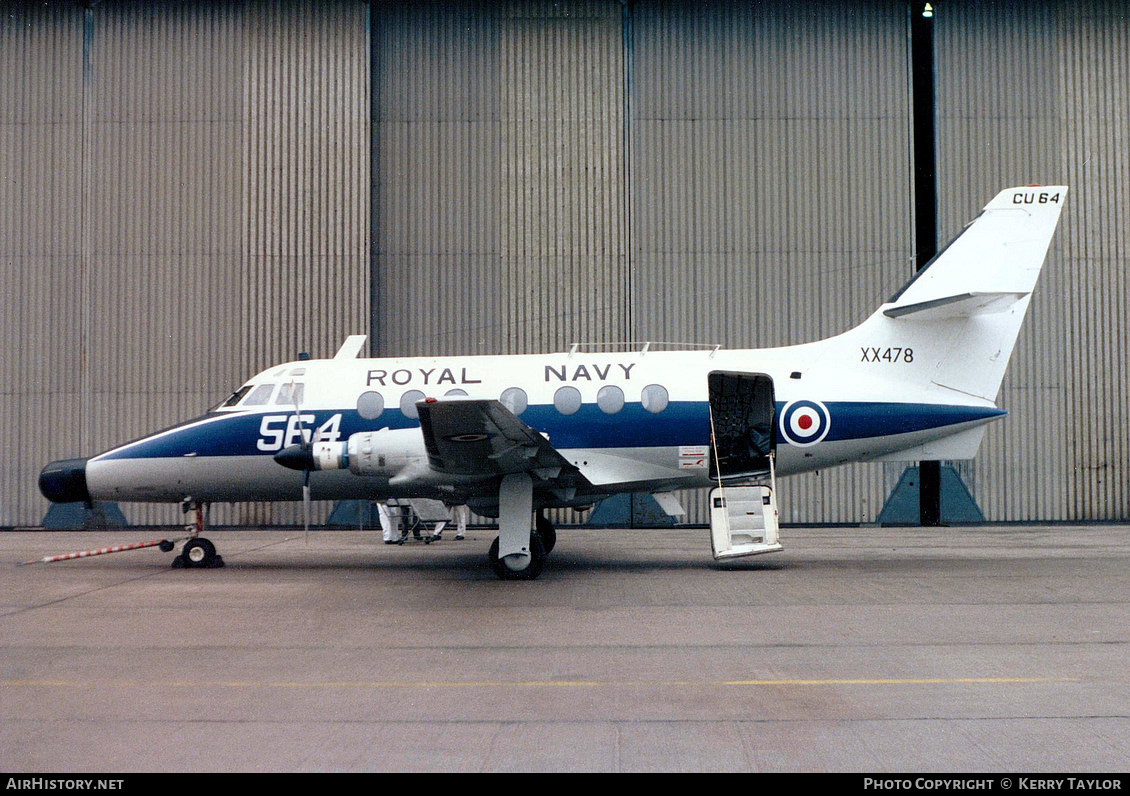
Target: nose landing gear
<point>198,552</point>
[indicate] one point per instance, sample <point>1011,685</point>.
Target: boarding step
<point>743,521</point>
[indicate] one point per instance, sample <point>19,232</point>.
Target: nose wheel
<point>198,552</point>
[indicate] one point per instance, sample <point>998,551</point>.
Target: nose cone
<point>64,481</point>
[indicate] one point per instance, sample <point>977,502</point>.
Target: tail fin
<point>953,327</point>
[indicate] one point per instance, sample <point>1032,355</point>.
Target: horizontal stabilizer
<point>963,305</point>
<point>670,504</point>
<point>999,253</point>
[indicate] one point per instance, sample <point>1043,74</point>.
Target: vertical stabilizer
<point>953,327</point>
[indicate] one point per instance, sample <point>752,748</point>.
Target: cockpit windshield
<point>289,394</point>
<point>260,396</point>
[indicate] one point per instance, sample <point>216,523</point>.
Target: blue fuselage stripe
<point>681,423</point>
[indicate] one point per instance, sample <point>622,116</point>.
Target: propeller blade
<point>306,509</point>
<point>300,457</point>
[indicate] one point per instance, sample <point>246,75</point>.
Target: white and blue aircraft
<point>511,436</point>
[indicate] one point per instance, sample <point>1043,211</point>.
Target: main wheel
<point>547,532</point>
<point>516,569</point>
<point>199,552</point>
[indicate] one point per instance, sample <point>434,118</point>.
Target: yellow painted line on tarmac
<point>440,684</point>
<point>911,681</point>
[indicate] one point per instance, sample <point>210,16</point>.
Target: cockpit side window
<point>260,395</point>
<point>236,396</point>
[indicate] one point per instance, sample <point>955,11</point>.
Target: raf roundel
<point>805,422</point>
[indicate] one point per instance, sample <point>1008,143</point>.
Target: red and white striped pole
<point>100,552</point>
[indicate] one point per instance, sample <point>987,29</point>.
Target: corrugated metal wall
<point>41,187</point>
<point>500,177</point>
<point>1039,93</point>
<point>185,201</point>
<point>305,159</point>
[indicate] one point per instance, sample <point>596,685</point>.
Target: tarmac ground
<point>986,649</point>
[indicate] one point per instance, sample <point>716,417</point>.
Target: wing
<point>476,436</point>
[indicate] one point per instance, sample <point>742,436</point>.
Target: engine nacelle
<point>374,453</point>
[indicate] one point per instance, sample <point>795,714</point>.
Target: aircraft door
<point>743,514</point>
<point>742,419</point>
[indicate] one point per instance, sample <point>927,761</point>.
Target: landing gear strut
<point>519,552</point>
<point>198,552</point>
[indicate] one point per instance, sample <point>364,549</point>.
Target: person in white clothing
<point>390,523</point>
<point>460,515</point>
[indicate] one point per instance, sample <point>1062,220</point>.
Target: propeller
<point>301,455</point>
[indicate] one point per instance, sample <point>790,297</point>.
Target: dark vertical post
<point>925,204</point>
<point>376,12</point>
<point>626,35</point>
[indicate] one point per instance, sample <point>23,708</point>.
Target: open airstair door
<point>742,411</point>
<point>743,507</point>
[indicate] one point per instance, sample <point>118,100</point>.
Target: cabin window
<point>567,400</point>
<point>654,398</point>
<point>291,394</point>
<point>370,405</point>
<point>610,399</point>
<point>456,391</point>
<point>260,396</point>
<point>514,399</point>
<point>408,403</point>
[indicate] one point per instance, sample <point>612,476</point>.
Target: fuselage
<point>628,421</point>
<point>508,436</point>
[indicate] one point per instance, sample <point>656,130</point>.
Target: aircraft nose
<point>64,481</point>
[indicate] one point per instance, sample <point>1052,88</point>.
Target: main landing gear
<point>519,553</point>
<point>517,566</point>
<point>546,531</point>
<point>198,552</point>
